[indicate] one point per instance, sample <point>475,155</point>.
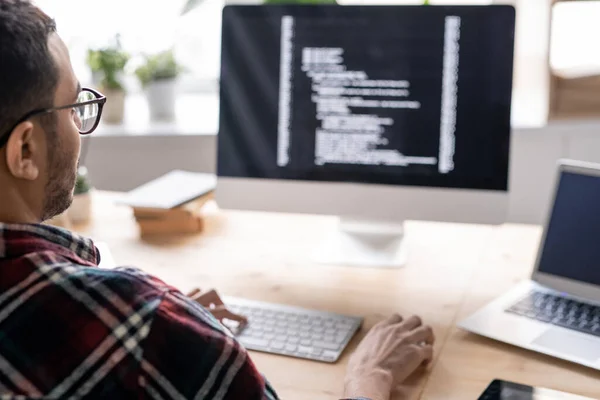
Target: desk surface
<point>453,269</point>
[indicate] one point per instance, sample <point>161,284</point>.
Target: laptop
<point>557,311</point>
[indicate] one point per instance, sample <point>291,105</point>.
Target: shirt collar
<point>17,240</point>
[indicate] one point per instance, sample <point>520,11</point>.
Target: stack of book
<point>172,204</point>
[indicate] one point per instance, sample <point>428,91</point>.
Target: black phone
<point>504,390</point>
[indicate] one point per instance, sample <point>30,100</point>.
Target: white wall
<point>123,162</point>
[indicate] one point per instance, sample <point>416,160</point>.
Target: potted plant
<point>108,65</point>
<point>158,76</point>
<point>81,208</point>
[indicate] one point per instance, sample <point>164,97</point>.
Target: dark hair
<point>28,73</point>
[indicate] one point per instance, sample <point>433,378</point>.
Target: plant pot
<point>60,221</point>
<point>161,99</point>
<point>80,211</point>
<point>114,109</point>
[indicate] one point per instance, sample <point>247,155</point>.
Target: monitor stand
<point>364,243</point>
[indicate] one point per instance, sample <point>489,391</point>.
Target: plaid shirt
<point>70,330</point>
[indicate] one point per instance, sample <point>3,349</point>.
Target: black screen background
<point>571,249</point>
<point>250,91</point>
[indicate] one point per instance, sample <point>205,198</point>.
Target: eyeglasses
<point>87,113</point>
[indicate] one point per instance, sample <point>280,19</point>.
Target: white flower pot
<point>161,99</point>
<point>80,211</point>
<point>114,109</point>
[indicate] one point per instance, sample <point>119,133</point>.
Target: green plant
<point>109,61</point>
<point>158,67</point>
<point>82,183</point>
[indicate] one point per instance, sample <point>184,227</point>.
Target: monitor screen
<point>571,249</point>
<point>396,95</point>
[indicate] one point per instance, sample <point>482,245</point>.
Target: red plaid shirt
<point>70,330</point>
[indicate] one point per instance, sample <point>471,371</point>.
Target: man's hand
<point>389,354</point>
<point>213,303</point>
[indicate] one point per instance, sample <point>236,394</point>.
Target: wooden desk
<point>452,270</point>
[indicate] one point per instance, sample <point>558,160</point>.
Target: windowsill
<point>196,114</point>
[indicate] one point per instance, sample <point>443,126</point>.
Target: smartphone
<point>503,390</point>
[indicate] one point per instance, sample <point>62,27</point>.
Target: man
<point>70,330</point>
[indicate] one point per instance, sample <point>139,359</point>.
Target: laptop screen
<point>572,246</point>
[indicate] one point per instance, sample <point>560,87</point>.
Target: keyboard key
<point>293,340</point>
<point>254,342</point>
<point>543,317</point>
<point>585,325</point>
<point>291,347</point>
<point>329,356</point>
<point>340,339</point>
<point>343,326</point>
<point>269,336</point>
<point>305,350</point>
<point>258,312</point>
<point>326,345</point>
<point>277,345</point>
<point>280,317</point>
<point>306,342</point>
<point>304,335</point>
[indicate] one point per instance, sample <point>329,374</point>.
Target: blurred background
<point>158,61</point>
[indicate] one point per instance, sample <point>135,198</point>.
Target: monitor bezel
<point>503,185</point>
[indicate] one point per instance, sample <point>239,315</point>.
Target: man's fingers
<point>427,353</point>
<point>222,312</point>
<point>209,298</point>
<point>411,323</point>
<point>423,334</point>
<point>394,319</point>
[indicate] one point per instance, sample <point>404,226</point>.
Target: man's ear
<point>21,152</point>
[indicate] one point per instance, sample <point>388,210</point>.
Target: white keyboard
<point>293,331</point>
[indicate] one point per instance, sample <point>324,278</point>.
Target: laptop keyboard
<point>293,331</point>
<point>559,311</point>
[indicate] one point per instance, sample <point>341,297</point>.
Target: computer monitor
<point>371,113</point>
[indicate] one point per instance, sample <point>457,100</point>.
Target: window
<point>575,33</point>
<point>145,26</point>
<point>153,25</point>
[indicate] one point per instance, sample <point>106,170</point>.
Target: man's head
<point>38,163</point>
